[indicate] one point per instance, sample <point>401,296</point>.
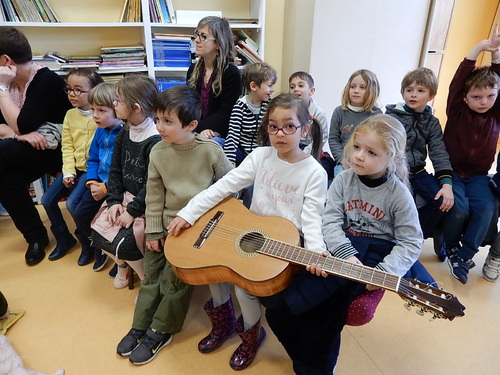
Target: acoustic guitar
<point>231,244</point>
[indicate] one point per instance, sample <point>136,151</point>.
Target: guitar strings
<point>229,233</point>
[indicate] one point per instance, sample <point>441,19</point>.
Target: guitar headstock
<point>440,303</point>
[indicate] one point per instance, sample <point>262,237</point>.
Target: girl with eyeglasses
<point>216,79</point>
<point>288,183</point>
<point>77,134</point>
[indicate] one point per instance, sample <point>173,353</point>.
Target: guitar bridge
<point>208,229</point>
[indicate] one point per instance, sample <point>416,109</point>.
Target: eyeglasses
<point>287,129</point>
<point>76,92</point>
<point>203,37</point>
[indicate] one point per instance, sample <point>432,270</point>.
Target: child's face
<point>263,92</point>
<point>368,156</point>
<point>357,91</point>
<point>104,116</point>
<point>286,144</point>
<point>170,128</point>
<point>416,96</point>
<point>480,100</point>
<point>79,84</point>
<point>121,108</point>
<point>299,87</point>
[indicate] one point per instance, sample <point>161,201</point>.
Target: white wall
<point>384,36</point>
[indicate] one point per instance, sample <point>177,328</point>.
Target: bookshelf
<point>85,26</point>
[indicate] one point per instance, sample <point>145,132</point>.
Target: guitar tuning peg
<point>407,306</point>
<point>433,318</point>
<point>421,312</point>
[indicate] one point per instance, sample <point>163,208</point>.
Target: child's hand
<point>315,268</point>
<point>155,245</point>
<point>96,191</point>
<point>177,225</point>
<point>208,133</point>
<point>68,181</point>
<point>446,193</point>
<point>125,220</point>
<point>495,38</point>
<point>113,213</point>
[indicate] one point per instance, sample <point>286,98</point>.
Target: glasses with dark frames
<point>76,92</point>
<point>203,37</point>
<point>287,129</point>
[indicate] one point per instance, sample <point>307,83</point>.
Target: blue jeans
<point>426,186</point>
<point>469,219</point>
<point>53,195</point>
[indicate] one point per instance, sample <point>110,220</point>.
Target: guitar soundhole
<point>251,242</point>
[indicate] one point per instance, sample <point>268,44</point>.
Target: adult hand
<point>7,74</point>
<point>35,139</point>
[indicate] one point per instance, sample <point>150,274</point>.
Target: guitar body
<point>224,255</point>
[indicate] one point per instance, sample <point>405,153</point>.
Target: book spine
<point>42,11</point>
<point>165,12</point>
<point>50,11</point>
<point>17,8</point>
<point>171,11</point>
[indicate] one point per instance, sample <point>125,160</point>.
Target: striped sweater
<point>242,129</point>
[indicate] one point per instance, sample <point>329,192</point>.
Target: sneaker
<point>120,282</point>
<point>101,259</point>
<point>149,347</point>
<point>459,268</point>
<point>130,341</point>
<point>491,268</point>
<point>113,271</point>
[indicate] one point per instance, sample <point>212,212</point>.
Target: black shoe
<point>62,248</point>
<point>36,251</point>
<point>101,258</point>
<point>130,341</point>
<point>149,347</point>
<point>86,256</point>
<point>113,271</point>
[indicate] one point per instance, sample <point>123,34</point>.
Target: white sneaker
<point>120,282</point>
<point>491,268</point>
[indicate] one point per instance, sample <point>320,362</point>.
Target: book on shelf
<point>246,51</point>
<point>57,56</point>
<point>171,11</point>
<point>26,11</point>
<point>173,37</point>
<point>131,11</point>
<point>243,37</point>
<point>243,20</point>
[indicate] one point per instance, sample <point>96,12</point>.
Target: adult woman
<point>32,109</point>
<point>214,77</point>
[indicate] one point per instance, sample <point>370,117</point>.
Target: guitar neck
<point>331,265</point>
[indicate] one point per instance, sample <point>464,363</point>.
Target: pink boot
<point>252,339</point>
<point>222,319</point>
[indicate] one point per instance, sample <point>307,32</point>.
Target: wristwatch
<point>4,87</point>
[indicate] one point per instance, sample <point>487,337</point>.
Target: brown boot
<point>252,339</point>
<point>222,319</point>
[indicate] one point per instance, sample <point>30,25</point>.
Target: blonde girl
<point>279,162</point>
<point>370,218</point>
<point>359,99</point>
<point>214,77</point>
<point>127,177</point>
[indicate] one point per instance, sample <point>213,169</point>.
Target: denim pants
<point>83,214</point>
<point>53,195</point>
<point>468,221</point>
<point>425,187</point>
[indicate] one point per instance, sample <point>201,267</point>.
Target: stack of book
<point>75,62</point>
<point>123,57</point>
<point>26,11</point>
<point>172,50</point>
<point>166,82</point>
<point>162,11</point>
<point>46,60</point>
<point>246,47</point>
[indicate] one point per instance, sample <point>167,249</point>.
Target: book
<point>11,11</point>
<point>243,37</point>
<point>164,11</point>
<point>246,48</point>
<point>171,11</point>
<point>50,12</point>
<point>172,37</point>
<point>57,56</point>
<point>17,8</point>
<point>41,10</point>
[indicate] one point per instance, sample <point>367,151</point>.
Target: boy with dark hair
<point>433,194</point>
<point>471,137</point>
<point>163,299</point>
<point>248,111</point>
